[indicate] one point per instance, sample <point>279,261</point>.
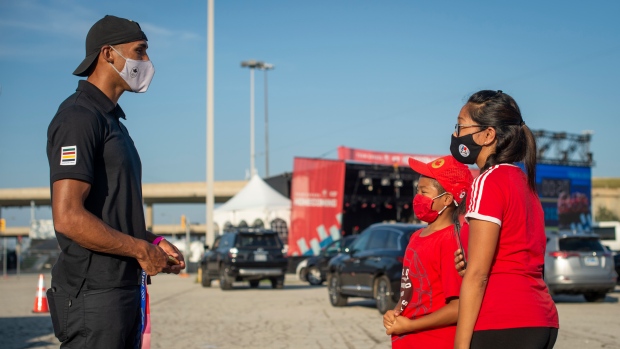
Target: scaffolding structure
<point>561,148</point>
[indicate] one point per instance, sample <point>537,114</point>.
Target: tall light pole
<point>210,197</point>
<point>265,67</point>
<point>252,64</point>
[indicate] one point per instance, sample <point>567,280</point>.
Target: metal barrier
<point>36,262</point>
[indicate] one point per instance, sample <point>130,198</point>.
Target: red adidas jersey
<point>429,278</point>
<point>516,295</point>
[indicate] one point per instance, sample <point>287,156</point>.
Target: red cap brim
<point>420,167</point>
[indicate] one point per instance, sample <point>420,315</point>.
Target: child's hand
<point>388,318</point>
<point>400,325</point>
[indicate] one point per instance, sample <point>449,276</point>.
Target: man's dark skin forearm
<point>74,221</point>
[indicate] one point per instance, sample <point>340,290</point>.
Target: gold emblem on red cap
<point>438,163</point>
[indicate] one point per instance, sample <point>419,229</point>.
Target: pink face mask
<point>423,208</point>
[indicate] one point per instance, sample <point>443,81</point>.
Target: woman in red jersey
<point>504,302</point>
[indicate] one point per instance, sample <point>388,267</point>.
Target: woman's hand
<point>459,262</point>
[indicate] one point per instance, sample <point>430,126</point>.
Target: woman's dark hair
<point>460,210</point>
<point>515,141</point>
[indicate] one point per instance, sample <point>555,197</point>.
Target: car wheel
<point>254,283</point>
<point>225,283</point>
<point>277,283</point>
<point>314,276</point>
<point>205,280</point>
<point>383,294</point>
<point>302,274</point>
<point>595,296</point>
<point>335,298</point>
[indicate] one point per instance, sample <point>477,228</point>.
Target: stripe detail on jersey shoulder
<point>477,188</point>
<point>476,215</point>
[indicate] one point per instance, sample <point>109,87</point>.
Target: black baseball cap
<point>110,30</point>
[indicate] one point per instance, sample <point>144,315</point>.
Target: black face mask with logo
<point>465,149</point>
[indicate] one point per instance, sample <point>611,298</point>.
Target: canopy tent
<point>257,200</point>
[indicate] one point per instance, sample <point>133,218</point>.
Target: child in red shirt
<point>426,314</point>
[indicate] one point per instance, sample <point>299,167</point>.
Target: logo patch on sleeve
<point>68,155</point>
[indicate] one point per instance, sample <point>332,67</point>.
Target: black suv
<point>245,254</point>
<point>372,266</point>
<point>314,269</point>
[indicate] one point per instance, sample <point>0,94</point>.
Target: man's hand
<point>459,262</point>
<point>173,251</point>
<point>153,260</point>
<point>389,317</point>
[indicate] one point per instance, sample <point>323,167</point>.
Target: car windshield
<point>348,242</point>
<point>258,240</point>
<point>332,248</point>
<point>581,244</point>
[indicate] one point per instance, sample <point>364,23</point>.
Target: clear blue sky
<point>389,75</point>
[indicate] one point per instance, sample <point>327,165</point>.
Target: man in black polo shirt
<point>95,175</point>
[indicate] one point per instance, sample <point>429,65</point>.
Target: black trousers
<point>515,338</point>
<point>103,318</point>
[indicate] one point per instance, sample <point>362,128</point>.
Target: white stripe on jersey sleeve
<point>477,188</point>
<point>481,217</point>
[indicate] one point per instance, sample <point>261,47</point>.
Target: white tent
<point>257,200</point>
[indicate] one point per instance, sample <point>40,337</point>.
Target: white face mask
<point>137,74</point>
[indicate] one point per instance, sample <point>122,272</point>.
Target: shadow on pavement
<point>611,298</point>
<point>25,332</point>
<point>267,287</point>
<point>302,287</point>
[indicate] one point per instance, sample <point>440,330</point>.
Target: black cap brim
<point>82,69</point>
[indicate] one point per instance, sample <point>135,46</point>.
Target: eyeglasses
<point>458,127</point>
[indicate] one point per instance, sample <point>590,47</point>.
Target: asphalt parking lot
<point>186,315</point>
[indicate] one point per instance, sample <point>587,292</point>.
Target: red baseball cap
<point>452,175</point>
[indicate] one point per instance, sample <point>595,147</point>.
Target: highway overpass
<point>153,193</point>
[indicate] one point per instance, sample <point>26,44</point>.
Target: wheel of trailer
<point>335,298</point>
<point>383,294</point>
<point>313,276</point>
<point>225,283</point>
<point>254,283</point>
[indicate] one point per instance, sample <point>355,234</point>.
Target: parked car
<point>577,263</point>
<point>245,254</point>
<point>372,266</point>
<point>314,269</point>
<point>617,265</point>
<point>609,232</point>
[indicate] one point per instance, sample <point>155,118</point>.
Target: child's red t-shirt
<point>429,278</point>
<point>516,295</point>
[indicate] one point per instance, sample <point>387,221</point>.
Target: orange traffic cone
<point>40,300</point>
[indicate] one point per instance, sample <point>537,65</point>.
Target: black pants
<point>515,338</point>
<point>104,318</point>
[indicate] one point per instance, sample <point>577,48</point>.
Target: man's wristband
<point>158,240</point>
